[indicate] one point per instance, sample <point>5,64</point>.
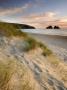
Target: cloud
<point>44,19</point>
<point>39,20</point>
<point>62,22</point>
<point>40,3</point>
<point>15,10</point>
<point>64,19</point>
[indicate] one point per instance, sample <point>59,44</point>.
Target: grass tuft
<point>10,69</point>
<point>10,30</point>
<point>31,43</point>
<point>46,51</point>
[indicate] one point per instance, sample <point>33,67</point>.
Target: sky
<point>38,13</point>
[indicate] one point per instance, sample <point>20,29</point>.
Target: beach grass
<point>10,30</point>
<point>9,70</point>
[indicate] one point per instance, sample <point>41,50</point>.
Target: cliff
<point>19,26</point>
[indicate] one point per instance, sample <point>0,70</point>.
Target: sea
<point>54,39</point>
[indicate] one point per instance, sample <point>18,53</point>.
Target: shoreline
<point>46,32</point>
<point>58,44</point>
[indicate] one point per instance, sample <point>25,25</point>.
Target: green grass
<point>11,30</point>
<point>31,43</point>
<point>46,51</point>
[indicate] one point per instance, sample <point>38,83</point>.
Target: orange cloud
<point>38,20</point>
<point>44,19</point>
<point>64,19</point>
<point>33,18</point>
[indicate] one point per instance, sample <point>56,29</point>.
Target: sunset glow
<point>38,13</point>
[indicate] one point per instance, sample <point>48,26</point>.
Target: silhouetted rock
<point>49,27</point>
<point>56,27</point>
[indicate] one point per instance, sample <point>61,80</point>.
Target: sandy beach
<point>56,40</point>
<point>58,44</point>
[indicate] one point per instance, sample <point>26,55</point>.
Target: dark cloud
<point>12,3</point>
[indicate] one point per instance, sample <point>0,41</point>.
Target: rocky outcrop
<point>55,27</point>
<point>49,27</point>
